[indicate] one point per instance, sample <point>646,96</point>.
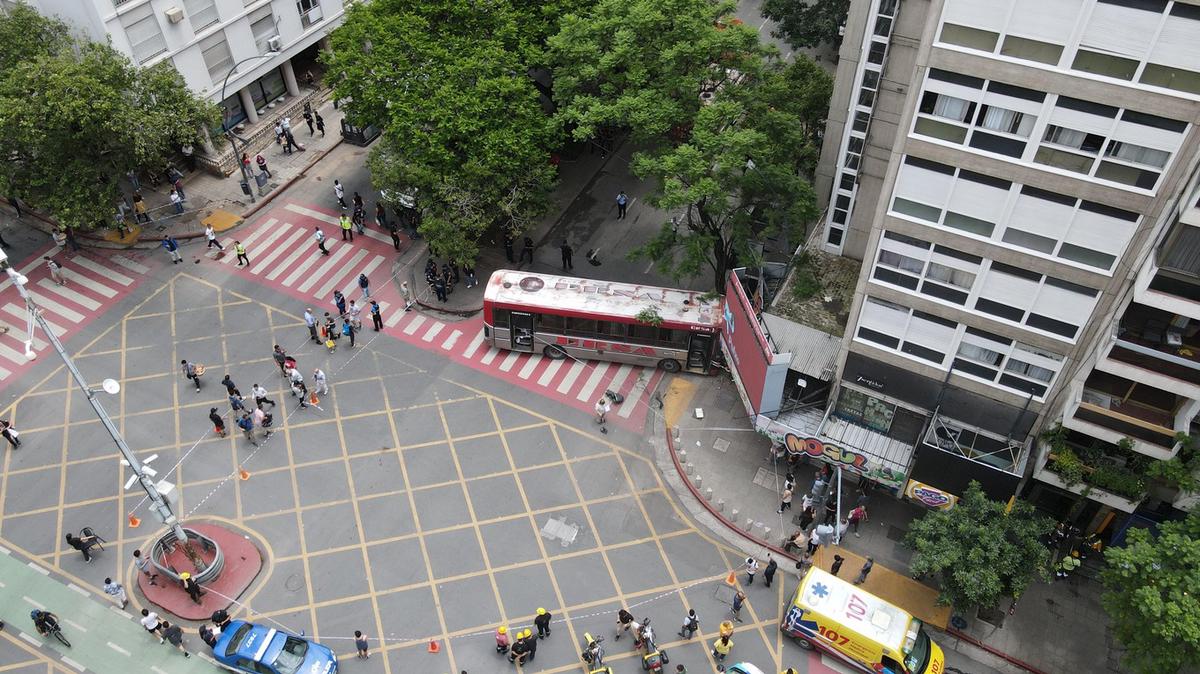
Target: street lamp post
<point>229,132</point>
<point>157,503</point>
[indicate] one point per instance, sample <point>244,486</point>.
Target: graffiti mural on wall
<point>845,458</point>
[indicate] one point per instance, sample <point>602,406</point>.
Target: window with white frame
<point>262,26</point>
<point>310,12</point>
<point>901,329</point>
<point>145,35</point>
<point>919,266</point>
<point>217,57</point>
<point>1043,303</point>
<point>202,13</point>
<point>993,358</point>
<point>1006,121</point>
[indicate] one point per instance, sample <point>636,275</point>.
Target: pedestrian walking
<point>721,647</point>
<point>211,235</point>
<point>406,293</point>
<point>116,591</point>
<point>247,425</point>
<point>785,501</point>
<point>229,384</point>
<point>190,371</point>
<point>262,164</point>
<point>527,250</point>
<point>236,403</point>
<point>152,624</point>
<point>217,422</point>
<point>260,396</point>
<point>174,634</point>
<point>508,247</point>
<point>856,518</point>
<point>354,313</point>
<point>348,331</point>
<point>769,572</point>
<point>319,237</point>
<point>624,620</point>
<point>144,566</point>
<point>280,357</point>
<point>739,600</point>
<point>320,382</point>
<point>308,119</point>
<point>837,564</point>
<point>691,623</point>
<point>170,245</point>
<point>365,284</point>
<point>262,420</point>
<point>807,516</point>
<point>345,223</point>
<point>310,321</point>
<point>395,234</point>
<point>380,215</point>
<point>241,253</point>
<point>376,317</point>
<point>320,123</point>
<point>603,407</point>
<point>818,487</point>
<point>56,271</point>
<point>339,191</point>
<point>542,623</point>
<point>357,201</point>
<point>360,641</point>
<point>864,571</point>
<point>439,289</point>
<point>191,587</point>
<point>176,201</point>
<point>751,569</point>
<point>622,204</point>
<point>139,208</point>
<point>279,133</point>
<point>10,433</point>
<point>566,250</point>
<point>831,510</point>
<point>469,272</point>
<point>359,220</point>
<point>339,301</point>
<point>177,184</point>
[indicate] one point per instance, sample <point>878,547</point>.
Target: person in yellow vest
<point>1068,564</point>
<point>241,253</point>
<point>347,233</point>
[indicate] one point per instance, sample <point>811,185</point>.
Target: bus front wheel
<point>669,365</point>
<point>553,352</point>
<point>805,644</point>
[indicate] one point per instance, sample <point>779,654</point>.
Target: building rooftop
<point>818,292</point>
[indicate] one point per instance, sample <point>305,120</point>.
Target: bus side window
<point>500,318</point>
<point>583,327</point>
<point>673,337</point>
<point>551,323</point>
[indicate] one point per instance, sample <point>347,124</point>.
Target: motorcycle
<point>593,655</point>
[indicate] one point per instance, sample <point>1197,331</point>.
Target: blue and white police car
<point>256,649</point>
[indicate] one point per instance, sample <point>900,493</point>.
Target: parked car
<point>257,649</point>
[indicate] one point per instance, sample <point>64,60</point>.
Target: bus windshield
<point>917,657</point>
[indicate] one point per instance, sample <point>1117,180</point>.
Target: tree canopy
<point>1152,596</point>
<point>642,64</point>
<point>76,116</point>
<point>807,23</point>
<point>463,122</point>
<point>739,178</point>
<point>978,553</point>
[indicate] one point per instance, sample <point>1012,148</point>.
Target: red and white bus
<point>562,316</point>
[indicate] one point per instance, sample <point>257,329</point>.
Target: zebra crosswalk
<point>284,255</point>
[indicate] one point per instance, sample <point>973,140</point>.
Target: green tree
<point>807,23</point>
<point>642,64</point>
<point>463,123</point>
<point>739,177</point>
<point>76,116</point>
<point>978,553</point>
<point>1152,596</point>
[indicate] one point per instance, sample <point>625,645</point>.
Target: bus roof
<point>570,295</point>
<point>831,596</point>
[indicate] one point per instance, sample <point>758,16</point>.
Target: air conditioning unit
<point>174,14</point>
<point>274,43</point>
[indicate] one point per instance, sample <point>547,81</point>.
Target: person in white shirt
<point>320,239</point>
<point>320,383</point>
<point>751,569</point>
<point>211,235</point>
<point>340,193</point>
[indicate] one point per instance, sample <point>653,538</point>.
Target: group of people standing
<point>442,283</point>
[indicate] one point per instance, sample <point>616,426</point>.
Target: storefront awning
<point>814,353</point>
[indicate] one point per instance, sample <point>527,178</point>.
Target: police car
<point>743,668</point>
<point>255,649</point>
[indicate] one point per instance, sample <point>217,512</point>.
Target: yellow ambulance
<point>859,628</point>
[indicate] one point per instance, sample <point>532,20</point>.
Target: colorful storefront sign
<point>930,497</point>
<point>833,454</point>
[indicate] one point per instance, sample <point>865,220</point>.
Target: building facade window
<point>145,35</point>
<point>262,27</point>
<point>202,13</point>
<point>310,12</point>
<point>217,57</point>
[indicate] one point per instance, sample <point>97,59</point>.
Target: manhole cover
<point>294,582</point>
<point>721,445</point>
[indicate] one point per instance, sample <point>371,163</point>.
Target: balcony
<point>1157,347</point>
<point>1171,280</point>
<point>310,13</point>
<point>1113,408</point>
<point>1112,474</point>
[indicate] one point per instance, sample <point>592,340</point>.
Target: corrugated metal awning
<point>814,353</point>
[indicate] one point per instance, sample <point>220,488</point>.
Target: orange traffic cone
<point>313,399</point>
<point>243,473</point>
<point>134,522</point>
<point>434,647</point>
<point>731,579</point>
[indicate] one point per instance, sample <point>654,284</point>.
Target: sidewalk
<point>734,487</point>
<point>104,639</point>
<point>210,197</point>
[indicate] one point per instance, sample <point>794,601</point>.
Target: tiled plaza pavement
<point>409,504</point>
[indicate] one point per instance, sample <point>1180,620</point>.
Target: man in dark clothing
<point>174,635</point>
<point>217,422</point>
<point>207,635</point>
<point>231,387</point>
<point>9,433</point>
<point>83,545</point>
<point>542,623</point>
<point>527,250</point>
<point>191,587</point>
<point>518,651</point>
<point>769,572</point>
<point>866,569</point>
<point>189,371</point>
<point>280,356</point>
<point>830,510</point>
<point>530,645</point>
<point>395,232</point>
<point>837,564</point>
<point>508,247</point>
<point>624,620</point>
<point>376,317</point>
<point>439,287</point>
<point>566,255</point>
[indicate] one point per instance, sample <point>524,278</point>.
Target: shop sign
<point>844,458</point>
<point>930,497</point>
<point>869,383</point>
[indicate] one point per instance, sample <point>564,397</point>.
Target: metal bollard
<point>708,494</point>
<point>682,454</point>
<point>689,468</point>
<point>733,515</point>
<point>675,433</point>
<point>748,525</point>
<point>766,533</point>
<point>697,480</point>
<point>720,505</point>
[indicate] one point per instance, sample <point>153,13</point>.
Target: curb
<point>1016,662</point>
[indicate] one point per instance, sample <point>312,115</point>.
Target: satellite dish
<point>111,386</point>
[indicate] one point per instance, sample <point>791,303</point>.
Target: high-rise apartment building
<point>1019,179</point>
<point>275,41</point>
